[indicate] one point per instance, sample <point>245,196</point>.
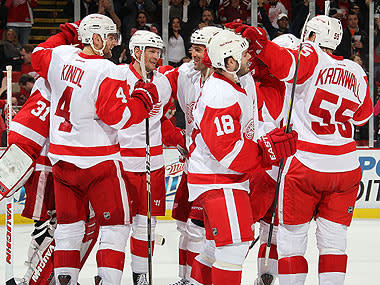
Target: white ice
<point>363,261</point>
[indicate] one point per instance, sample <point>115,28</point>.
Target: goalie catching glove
<point>16,166</point>
<point>277,145</point>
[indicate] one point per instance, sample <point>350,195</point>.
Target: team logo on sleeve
<point>249,130</point>
<point>189,112</point>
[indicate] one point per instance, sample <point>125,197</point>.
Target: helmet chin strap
<point>100,51</point>
<point>142,64</point>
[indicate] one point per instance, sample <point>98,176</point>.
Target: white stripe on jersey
<point>123,193</point>
<point>227,160</point>
<point>26,132</point>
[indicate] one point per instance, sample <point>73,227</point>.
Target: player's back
<point>77,134</point>
<point>326,107</point>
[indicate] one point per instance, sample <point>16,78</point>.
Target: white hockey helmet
<point>96,24</point>
<point>224,44</point>
<point>287,41</point>
<point>203,35</point>
<point>143,39</point>
<point>328,31</point>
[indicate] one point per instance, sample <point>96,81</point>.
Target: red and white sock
<point>201,272</point>
<point>292,270</point>
<point>332,269</point>
<point>110,265</point>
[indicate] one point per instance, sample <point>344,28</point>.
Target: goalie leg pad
<point>111,254</point>
<point>331,242</point>
<point>139,243</point>
<point>68,238</point>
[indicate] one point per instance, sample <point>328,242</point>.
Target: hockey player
<point>29,130</point>
<point>222,154</point>
<point>187,81</point>
<point>322,179</point>
<point>145,48</point>
<point>88,106</point>
<point>271,108</point>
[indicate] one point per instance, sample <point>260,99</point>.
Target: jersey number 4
<point>63,110</point>
<point>327,127</point>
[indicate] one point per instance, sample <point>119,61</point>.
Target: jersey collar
<point>90,56</point>
<point>233,84</point>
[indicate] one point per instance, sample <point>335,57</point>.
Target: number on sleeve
<point>227,123</point>
<point>120,94</point>
<point>63,110</point>
<point>41,108</point>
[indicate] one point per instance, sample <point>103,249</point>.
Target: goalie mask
<point>328,31</point>
<point>97,24</point>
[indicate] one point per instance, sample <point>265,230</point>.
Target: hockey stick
<point>147,159</point>
<point>287,130</point>
<point>327,8</point>
<point>9,221</point>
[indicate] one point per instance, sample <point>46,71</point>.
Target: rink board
<point>367,205</point>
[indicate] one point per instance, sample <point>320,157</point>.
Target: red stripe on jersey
<point>272,253</point>
<point>83,151</point>
<point>200,178</point>
<point>141,151</point>
<point>365,111</point>
<point>233,84</point>
<point>326,149</point>
<point>110,258</point>
<point>67,258</point>
<point>292,265</point>
<point>332,263</point>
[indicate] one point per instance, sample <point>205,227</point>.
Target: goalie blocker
<point>16,166</point>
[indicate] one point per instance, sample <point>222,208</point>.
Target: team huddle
<point>81,142</point>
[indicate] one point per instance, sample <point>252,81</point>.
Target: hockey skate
<point>265,279</point>
<point>140,279</point>
<point>181,282</point>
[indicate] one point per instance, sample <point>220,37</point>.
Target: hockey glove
<point>146,93</point>
<point>70,30</point>
<point>277,145</point>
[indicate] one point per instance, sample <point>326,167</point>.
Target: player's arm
<point>28,133</point>
<point>41,55</point>
<point>172,135</point>
<point>172,76</point>
<point>115,108</point>
<point>365,110</point>
<point>221,131</point>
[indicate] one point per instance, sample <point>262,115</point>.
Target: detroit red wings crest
<point>189,112</point>
<point>249,130</point>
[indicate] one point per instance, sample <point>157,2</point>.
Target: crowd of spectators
<point>275,16</point>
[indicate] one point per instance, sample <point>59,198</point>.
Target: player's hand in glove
<point>70,30</point>
<point>147,94</point>
<point>256,36</point>
<point>277,145</point>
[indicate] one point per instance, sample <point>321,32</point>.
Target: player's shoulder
<point>354,67</point>
<point>66,50</point>
<point>186,67</point>
<point>43,87</point>
<point>219,92</point>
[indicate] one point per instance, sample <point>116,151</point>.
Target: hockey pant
<point>331,243</point>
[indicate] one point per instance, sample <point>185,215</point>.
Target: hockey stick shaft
<point>9,206</point>
<point>148,189</point>
<point>281,166</point>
